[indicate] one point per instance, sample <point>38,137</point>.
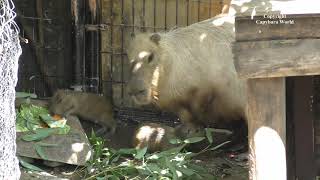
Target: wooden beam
<point>277,26</point>
<point>267,128</point>
<point>277,58</point>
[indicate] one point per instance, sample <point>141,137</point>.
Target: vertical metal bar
<point>177,7</point>
<point>165,14</point>
<point>111,49</point>
<point>210,9</point>
<point>84,64</point>
<point>40,48</point>
<point>188,12</point>
<point>133,16</point>
<point>98,50</point>
<point>198,10</point>
<point>144,15</point>
<point>93,58</point>
<point>122,50</point>
<point>154,15</point>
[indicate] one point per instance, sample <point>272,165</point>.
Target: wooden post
<point>267,128</point>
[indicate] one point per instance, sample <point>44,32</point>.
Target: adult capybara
<point>87,106</point>
<point>189,71</point>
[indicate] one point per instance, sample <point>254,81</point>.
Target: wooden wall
<point>124,17</point>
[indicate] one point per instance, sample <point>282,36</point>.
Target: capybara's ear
<point>155,38</point>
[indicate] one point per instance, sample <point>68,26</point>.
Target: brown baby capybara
<point>156,137</point>
<point>87,106</point>
<point>189,71</point>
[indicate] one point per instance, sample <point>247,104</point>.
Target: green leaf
<point>52,123</point>
<point>154,168</point>
<point>112,177</point>
<point>47,118</point>
<point>29,166</point>
<point>175,141</point>
<point>40,151</point>
<point>171,168</point>
<point>62,130</point>
<point>193,140</point>
<point>127,151</point>
<point>220,145</point>
<point>101,178</point>
<point>168,152</point>
<point>209,135</point>
<point>25,95</point>
<point>140,153</point>
<point>39,134</point>
<point>186,171</point>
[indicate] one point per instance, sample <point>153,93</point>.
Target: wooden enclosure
<point>83,42</point>
<point>283,133</point>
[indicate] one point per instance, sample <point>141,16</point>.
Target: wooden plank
<point>204,7</point>
<point>106,42</point>
<point>149,15</point>
<point>117,63</point>
<point>267,128</point>
<point>260,7</point>
<point>160,18</point>
<point>193,12</point>
<point>210,8</point>
<point>171,21</point>
<point>277,26</point>
<point>182,13</point>
<point>277,58</point>
<point>303,120</point>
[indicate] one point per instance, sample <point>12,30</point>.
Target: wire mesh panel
<point>46,61</point>
<point>82,43</point>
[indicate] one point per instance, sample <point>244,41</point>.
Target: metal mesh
<point>10,51</point>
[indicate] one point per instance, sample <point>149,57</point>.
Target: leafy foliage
<point>175,163</point>
<point>38,124</point>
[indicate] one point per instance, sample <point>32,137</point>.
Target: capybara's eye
<point>150,58</point>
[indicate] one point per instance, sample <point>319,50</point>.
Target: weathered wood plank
<point>182,13</point>
<point>171,20</point>
<point>267,128</point>
<point>149,15</point>
<point>160,11</point>
<point>193,15</point>
<point>277,58</point>
<point>260,7</point>
<point>106,43</point>
<point>277,26</point>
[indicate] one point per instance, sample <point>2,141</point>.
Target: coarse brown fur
<point>86,106</point>
<point>189,71</point>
